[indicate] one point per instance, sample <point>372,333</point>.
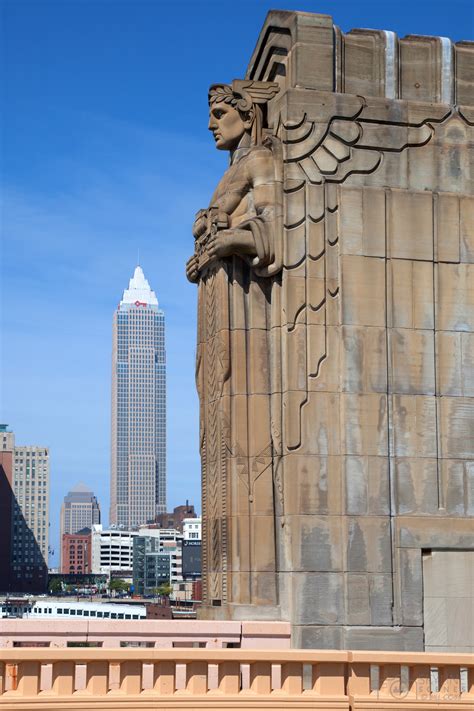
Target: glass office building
<point>138,461</point>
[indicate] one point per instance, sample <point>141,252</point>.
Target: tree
<point>164,590</point>
<point>119,586</point>
<point>56,586</point>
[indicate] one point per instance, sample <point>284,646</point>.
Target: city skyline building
<point>24,492</point>
<point>138,422</point>
<point>76,552</point>
<point>111,550</point>
<point>80,509</point>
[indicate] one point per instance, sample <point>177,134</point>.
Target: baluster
<point>329,679</point>
<point>420,687</point>
<point>80,680</point>
<point>390,686</point>
<point>63,678</point>
<point>196,678</point>
<point>229,678</point>
<point>260,678</point>
<point>449,683</point>
<point>28,678</point>
<point>212,677</point>
<point>97,678</point>
<point>114,676</point>
<point>131,677</point>
<point>292,678</point>
<point>164,678</point>
<point>46,677</point>
<point>147,676</point>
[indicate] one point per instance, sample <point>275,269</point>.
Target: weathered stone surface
<point>456,427</point>
<point>367,544</point>
<point>455,297</point>
<point>336,333</point>
<point>318,598</point>
<point>318,637</point>
<point>411,294</point>
<point>366,486</point>
<point>411,586</point>
<point>362,291</point>
<point>415,485</point>
<point>412,361</point>
<point>384,638</point>
<point>414,426</point>
<point>410,225</point>
<point>455,363</point>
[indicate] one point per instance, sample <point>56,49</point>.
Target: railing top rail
<point>78,654</point>
<point>408,658</point>
<point>272,656</point>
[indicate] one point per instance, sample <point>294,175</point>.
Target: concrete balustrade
<point>85,678</point>
<point>144,633</point>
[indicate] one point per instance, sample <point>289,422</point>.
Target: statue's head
<point>236,110</point>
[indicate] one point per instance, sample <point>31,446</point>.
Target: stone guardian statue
<point>236,264</point>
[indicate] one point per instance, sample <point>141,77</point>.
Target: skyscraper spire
<point>139,290</point>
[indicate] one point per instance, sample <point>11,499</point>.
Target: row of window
<point>90,613</point>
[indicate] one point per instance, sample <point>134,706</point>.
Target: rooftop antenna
<point>138,257</point>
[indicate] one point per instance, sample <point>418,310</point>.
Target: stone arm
<point>254,238</point>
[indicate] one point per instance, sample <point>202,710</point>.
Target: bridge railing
<point>87,678</point>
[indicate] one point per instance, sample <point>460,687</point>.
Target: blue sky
<point>106,152</point>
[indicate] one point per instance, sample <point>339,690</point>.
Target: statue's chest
<point>232,190</point>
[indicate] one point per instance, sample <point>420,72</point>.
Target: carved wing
<point>345,146</point>
<point>316,157</point>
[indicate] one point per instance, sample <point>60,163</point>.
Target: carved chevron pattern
<point>214,454</point>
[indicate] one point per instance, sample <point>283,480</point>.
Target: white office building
<point>192,528</point>
<point>112,550</point>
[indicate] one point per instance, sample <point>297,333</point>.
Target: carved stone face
<point>227,126</point>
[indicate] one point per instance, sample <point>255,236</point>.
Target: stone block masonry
<point>336,335</point>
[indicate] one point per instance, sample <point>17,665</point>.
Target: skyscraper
<point>138,461</point>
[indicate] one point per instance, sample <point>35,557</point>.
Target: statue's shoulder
<point>260,162</point>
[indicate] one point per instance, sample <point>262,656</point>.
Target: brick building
<point>76,552</point>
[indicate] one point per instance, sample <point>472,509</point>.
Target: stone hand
<point>200,224</point>
<point>192,271</point>
<point>227,242</point>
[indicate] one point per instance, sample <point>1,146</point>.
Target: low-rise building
<point>192,529</point>
<point>29,607</point>
<point>175,518</point>
<point>76,554</point>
